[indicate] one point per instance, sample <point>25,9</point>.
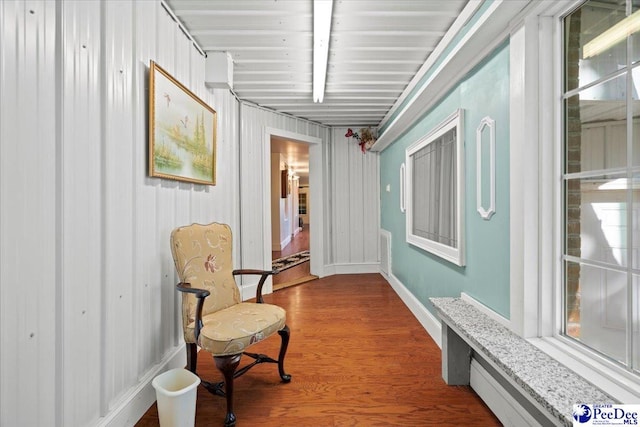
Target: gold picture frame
<point>182,131</point>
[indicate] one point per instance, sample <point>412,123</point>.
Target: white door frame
<point>316,216</point>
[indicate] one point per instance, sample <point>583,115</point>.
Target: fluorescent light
<point>321,31</point>
<point>612,36</point>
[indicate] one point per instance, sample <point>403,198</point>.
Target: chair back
<point>202,255</point>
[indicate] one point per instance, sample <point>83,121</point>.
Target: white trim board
<point>352,268</point>
<point>316,217</point>
<point>484,36</point>
<point>462,19</point>
<point>285,242</point>
<point>507,409</point>
<point>428,321</point>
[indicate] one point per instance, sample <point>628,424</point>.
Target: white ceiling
<point>376,48</point>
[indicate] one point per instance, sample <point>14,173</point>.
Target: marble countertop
<point>551,384</point>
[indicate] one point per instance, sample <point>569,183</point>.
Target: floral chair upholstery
<point>213,315</point>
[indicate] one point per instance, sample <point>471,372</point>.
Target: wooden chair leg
<point>284,335</point>
<point>227,365</point>
<point>192,357</point>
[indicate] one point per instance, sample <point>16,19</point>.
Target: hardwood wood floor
<point>300,273</point>
<point>357,356</point>
<point>299,242</point>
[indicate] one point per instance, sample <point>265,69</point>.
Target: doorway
<point>290,212</point>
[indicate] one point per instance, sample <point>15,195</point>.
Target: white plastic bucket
<point>176,392</point>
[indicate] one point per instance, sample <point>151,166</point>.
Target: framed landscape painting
<point>182,131</point>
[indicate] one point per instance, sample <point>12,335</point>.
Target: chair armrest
<point>201,294</point>
<point>186,287</point>
<point>248,271</point>
<point>263,273</point>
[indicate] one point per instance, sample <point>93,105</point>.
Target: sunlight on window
<point>612,219</point>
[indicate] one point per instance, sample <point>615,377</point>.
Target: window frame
<point>628,169</point>
<point>536,220</point>
<point>455,255</point>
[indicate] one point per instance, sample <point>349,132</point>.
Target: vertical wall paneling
<point>371,204</point>
<point>355,183</point>
<point>84,232</point>
<point>356,206</point>
<point>328,193</point>
<point>228,178</point>
<point>167,190</point>
<point>254,167</point>
<point>185,55</point>
<point>118,180</point>
<point>27,220</point>
<point>320,243</point>
<point>147,326</point>
<point>251,195</point>
<point>81,199</point>
<point>341,191</point>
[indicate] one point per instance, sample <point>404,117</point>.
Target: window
<point>601,180</point>
<point>434,190</point>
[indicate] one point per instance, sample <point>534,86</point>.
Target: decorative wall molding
<point>451,219</point>
<point>385,252</point>
<point>490,124</point>
<point>403,188</point>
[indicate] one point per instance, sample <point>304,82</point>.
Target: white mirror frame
<point>488,212</point>
<point>449,253</point>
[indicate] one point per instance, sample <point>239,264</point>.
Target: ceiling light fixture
<point>612,36</point>
<point>322,10</point>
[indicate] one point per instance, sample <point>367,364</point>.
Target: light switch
<point>388,188</point>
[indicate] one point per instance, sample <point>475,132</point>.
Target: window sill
<point>611,380</point>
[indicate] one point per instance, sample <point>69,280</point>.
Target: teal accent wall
<point>482,92</point>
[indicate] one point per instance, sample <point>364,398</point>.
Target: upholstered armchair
<point>213,315</point>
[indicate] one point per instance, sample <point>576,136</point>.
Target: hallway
<point>300,273</point>
<point>358,357</point>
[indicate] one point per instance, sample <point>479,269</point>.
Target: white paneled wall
<point>29,291</point>
<point>80,195</point>
<point>88,307</point>
<point>356,205</point>
<point>255,199</point>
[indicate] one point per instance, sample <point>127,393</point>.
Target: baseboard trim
<point>502,404</point>
<point>129,410</point>
<point>285,242</point>
<point>428,321</point>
